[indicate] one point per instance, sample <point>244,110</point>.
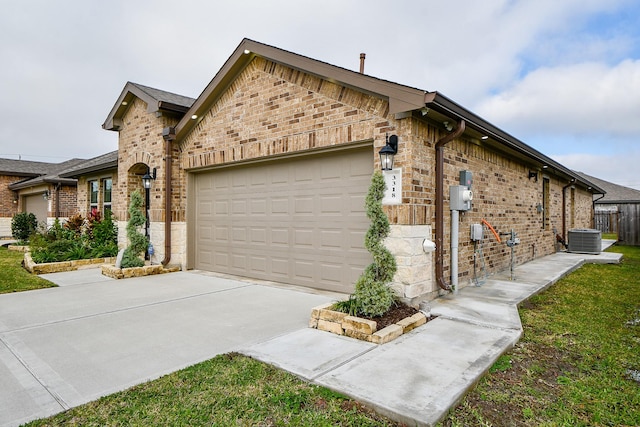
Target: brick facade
<point>271,109</point>
<point>8,204</point>
<point>141,146</point>
<point>68,203</point>
<point>8,200</point>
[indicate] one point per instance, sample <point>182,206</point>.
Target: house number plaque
<point>393,193</point>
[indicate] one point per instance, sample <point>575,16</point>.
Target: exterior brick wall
<point>271,109</point>
<point>7,206</point>
<point>141,146</point>
<point>68,201</point>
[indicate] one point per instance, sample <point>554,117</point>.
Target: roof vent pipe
<point>362,56</point>
<point>440,201</point>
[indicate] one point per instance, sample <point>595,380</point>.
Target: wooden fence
<point>625,222</point>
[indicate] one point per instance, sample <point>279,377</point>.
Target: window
<point>93,196</point>
<point>100,196</point>
<point>106,195</point>
<point>546,204</point>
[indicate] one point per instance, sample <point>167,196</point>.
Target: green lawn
<point>14,278</point>
<point>228,390</point>
<point>576,363</point>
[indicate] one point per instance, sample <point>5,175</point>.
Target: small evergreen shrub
<point>132,256</point>
<point>373,297</point>
<point>23,225</point>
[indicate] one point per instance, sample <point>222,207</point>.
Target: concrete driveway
<point>65,346</point>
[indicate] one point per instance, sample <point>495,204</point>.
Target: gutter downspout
<point>440,201</point>
<point>168,134</point>
<point>58,185</point>
<point>564,208</point>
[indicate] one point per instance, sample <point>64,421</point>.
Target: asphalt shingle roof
<point>101,162</point>
<point>164,96</point>
<point>39,172</point>
<point>24,167</point>
<point>615,193</point>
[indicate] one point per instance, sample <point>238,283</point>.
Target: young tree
<point>134,253</point>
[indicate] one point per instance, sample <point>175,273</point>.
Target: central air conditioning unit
<point>585,241</point>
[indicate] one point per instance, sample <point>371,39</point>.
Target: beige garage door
<point>37,205</point>
<point>298,221</point>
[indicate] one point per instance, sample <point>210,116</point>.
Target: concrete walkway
<point>61,347</point>
<point>418,377</point>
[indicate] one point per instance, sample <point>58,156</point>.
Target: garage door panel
<point>258,207</point>
<point>298,221</point>
<point>280,237</point>
<point>258,236</point>
<point>259,265</point>
<point>280,206</point>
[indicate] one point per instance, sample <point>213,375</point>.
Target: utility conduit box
<point>460,198</point>
<point>477,232</point>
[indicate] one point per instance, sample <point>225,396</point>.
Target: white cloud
<point>578,99</point>
<point>66,61</point>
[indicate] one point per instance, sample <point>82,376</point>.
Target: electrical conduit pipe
<point>440,203</point>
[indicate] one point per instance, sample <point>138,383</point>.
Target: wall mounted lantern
<point>46,195</point>
<point>147,178</point>
<point>388,152</point>
<point>533,174</point>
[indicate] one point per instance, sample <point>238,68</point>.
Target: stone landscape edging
<point>57,267</point>
<point>336,322</point>
<point>110,270</point>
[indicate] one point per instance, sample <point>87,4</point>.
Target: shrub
<point>74,240</point>
<point>104,250</point>
<point>137,241</point>
<point>75,223</point>
<point>77,251</point>
<point>372,296</point>
<point>104,232</point>
<point>23,225</point>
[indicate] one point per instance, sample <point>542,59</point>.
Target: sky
<point>561,76</point>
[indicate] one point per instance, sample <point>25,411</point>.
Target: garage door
<point>37,205</point>
<point>300,221</point>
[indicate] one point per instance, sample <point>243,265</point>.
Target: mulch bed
<point>394,315</point>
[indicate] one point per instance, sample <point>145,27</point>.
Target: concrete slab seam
<point>482,324</point>
<point>48,389</point>
<point>122,310</point>
<point>341,364</point>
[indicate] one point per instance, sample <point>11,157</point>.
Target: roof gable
<point>401,98</point>
<point>156,100</point>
